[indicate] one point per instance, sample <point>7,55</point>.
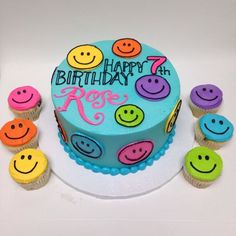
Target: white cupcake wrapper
<point>195,182</point>
<point>38,183</point>
<point>198,112</point>
<point>31,114</point>
<point>31,144</point>
<point>200,138</point>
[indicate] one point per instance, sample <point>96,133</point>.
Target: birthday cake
<point>116,104</point>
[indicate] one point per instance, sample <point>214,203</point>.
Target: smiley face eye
<point>82,53</point>
<point>24,91</point>
<point>134,150</point>
<point>199,157</point>
<point>82,142</point>
<point>221,122</point>
<point>149,80</point>
<point>18,92</point>
<point>129,44</point>
<point>29,157</point>
<point>88,53</point>
<point>156,81</point>
<point>204,89</point>
<point>20,125</point>
<point>207,157</point>
<point>12,126</point>
<point>211,91</point>
<point>124,44</point>
<point>140,149</point>
<point>87,144</point>
<point>22,157</point>
<point>132,112</point>
<point>213,120</point>
<point>125,111</point>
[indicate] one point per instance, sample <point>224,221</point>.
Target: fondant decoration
<point>60,128</point>
<point>173,117</point>
<point>158,61</point>
<point>17,132</point>
<point>97,99</point>
<point>85,57</point>
<point>135,152</point>
<point>203,164</point>
<point>129,115</point>
<point>28,165</point>
<point>23,98</point>
<point>127,48</point>
<point>206,96</point>
<point>86,146</point>
<point>216,127</point>
<point>152,87</point>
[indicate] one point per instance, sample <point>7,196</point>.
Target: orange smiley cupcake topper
<point>127,48</point>
<point>17,132</point>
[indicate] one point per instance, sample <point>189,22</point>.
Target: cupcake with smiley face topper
<point>213,131</point>
<point>19,134</point>
<point>205,98</point>
<point>25,102</point>
<point>202,167</point>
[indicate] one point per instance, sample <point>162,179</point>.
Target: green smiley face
<point>129,115</point>
<point>203,164</point>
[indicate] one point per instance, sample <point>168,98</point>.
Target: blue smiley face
<point>86,145</point>
<point>216,127</point>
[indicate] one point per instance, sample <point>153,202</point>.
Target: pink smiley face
<point>25,97</point>
<point>135,152</point>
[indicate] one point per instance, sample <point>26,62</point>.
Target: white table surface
<point>199,37</point>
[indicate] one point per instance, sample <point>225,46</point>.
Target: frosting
<point>102,108</point>
<point>127,48</point>
<point>203,164</point>
<point>86,146</point>
<point>24,98</point>
<point>28,165</point>
<point>206,96</point>
<point>129,115</point>
<point>85,57</point>
<point>135,152</point>
<point>216,127</point>
<point>17,132</point>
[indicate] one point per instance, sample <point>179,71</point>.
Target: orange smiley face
<point>127,48</point>
<point>17,132</point>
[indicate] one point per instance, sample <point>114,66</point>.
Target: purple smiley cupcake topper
<point>206,96</point>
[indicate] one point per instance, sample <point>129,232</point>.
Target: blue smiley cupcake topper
<point>216,127</point>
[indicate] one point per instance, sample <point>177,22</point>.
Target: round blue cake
<point>116,104</point>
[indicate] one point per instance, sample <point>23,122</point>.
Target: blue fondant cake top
<point>115,87</point>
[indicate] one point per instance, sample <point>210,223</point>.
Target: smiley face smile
<point>219,133</point>
<point>83,63</point>
<point>27,131</point>
<point>201,171</point>
<point>20,102</point>
<point>25,172</point>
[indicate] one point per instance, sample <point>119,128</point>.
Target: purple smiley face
<point>152,87</point>
<point>206,96</point>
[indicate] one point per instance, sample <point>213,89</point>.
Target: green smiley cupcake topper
<point>203,164</point>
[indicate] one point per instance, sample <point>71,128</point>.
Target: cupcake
<point>213,131</point>
<point>25,102</point>
<point>30,169</point>
<point>205,98</point>
<point>19,134</point>
<point>202,167</point>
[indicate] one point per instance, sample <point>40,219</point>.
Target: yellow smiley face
<point>85,57</point>
<point>173,117</point>
<point>28,165</point>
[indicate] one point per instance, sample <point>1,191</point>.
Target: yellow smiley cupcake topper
<point>28,165</point>
<point>85,57</point>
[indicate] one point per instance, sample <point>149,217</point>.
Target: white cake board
<point>107,186</point>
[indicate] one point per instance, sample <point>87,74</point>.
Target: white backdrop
<point>199,37</point>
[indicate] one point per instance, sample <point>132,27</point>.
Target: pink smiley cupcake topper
<point>25,102</point>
